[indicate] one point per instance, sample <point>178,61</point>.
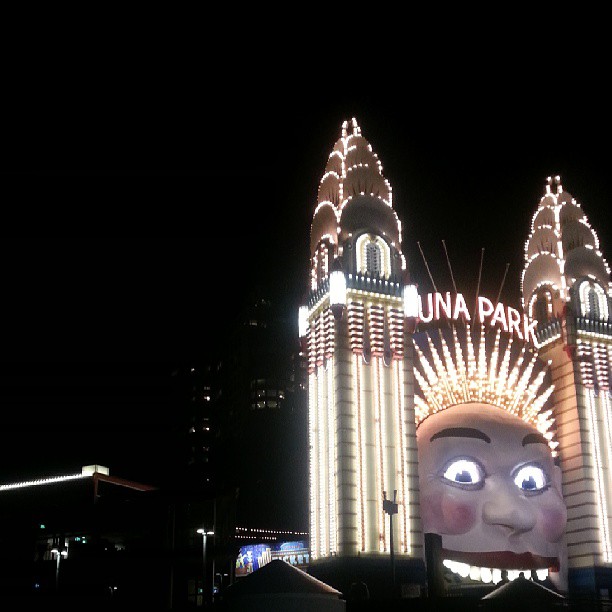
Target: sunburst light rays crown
<point>475,364</point>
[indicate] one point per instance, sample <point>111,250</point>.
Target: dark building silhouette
<point>196,428</point>
<point>239,421</point>
<point>92,538</point>
<point>260,405</point>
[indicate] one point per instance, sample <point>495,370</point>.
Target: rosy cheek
<point>443,514</point>
<point>459,516</point>
<point>431,511</point>
<point>553,521</point>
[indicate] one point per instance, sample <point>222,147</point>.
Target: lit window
<point>541,307</point>
<point>373,259</point>
<point>593,301</point>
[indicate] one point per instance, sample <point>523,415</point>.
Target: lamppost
<point>204,533</point>
<point>390,507</point>
<point>60,550</point>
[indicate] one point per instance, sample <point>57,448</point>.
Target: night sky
<point>141,208</point>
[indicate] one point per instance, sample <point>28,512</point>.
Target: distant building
<point>94,537</point>
<point>260,404</point>
<point>239,427</point>
<point>196,428</point>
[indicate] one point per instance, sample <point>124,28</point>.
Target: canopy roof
<point>278,576</point>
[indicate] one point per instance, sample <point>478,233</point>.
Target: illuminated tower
<point>360,381</point>
<point>566,287</point>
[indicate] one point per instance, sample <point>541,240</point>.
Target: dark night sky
<point>143,201</point>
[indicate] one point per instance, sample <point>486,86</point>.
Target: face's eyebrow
<point>461,432</point>
<point>534,438</point>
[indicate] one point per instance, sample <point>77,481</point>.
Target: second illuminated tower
<point>360,378</point>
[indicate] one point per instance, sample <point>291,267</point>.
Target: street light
<point>204,533</point>
<point>59,550</point>
<point>390,508</point>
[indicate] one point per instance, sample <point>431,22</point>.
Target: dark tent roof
<point>278,576</point>
<point>523,588</point>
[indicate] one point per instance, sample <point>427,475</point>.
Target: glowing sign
<point>254,556</point>
<point>455,307</point>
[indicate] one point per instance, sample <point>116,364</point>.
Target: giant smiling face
<point>490,488</point>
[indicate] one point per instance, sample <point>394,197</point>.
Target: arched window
<point>541,306</point>
<point>593,301</point>
<point>373,259</point>
<point>373,256</point>
<point>593,305</point>
<point>541,309</point>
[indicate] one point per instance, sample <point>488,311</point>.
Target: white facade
<point>361,409</point>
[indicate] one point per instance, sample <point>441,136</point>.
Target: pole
<point>205,593</point>
<point>392,555</point>
<point>57,548</point>
<point>57,567</point>
<point>204,590</point>
<point>172,557</point>
<point>390,507</point>
<point>212,597</point>
<point>391,544</point>
<point>433,560</point>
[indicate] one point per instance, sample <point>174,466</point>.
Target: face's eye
<point>531,477</point>
<point>465,473</point>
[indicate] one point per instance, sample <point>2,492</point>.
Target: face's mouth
<point>503,560</point>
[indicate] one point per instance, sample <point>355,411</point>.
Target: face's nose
<point>509,510</point>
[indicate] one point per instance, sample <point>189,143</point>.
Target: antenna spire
<point>428,270</point>
<point>449,267</point>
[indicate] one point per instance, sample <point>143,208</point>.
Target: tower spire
<point>359,368</point>
<point>566,288</point>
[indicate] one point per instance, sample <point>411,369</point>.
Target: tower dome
<point>354,199</point>
<point>561,251</point>
<point>354,336</point>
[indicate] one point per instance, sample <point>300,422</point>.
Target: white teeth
<point>486,574</point>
